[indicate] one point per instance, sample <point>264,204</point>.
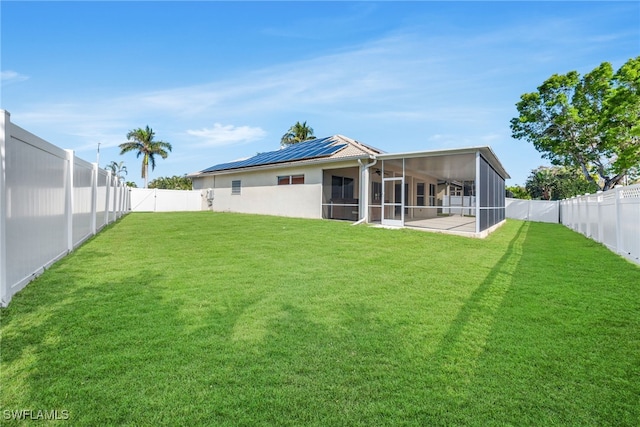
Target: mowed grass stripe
<point>226,319</point>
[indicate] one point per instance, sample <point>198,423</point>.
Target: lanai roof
<point>456,163</point>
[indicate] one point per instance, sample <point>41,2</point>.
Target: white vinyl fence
<point>155,200</point>
<point>459,205</point>
<point>50,202</point>
<point>611,218</point>
<point>533,210</point>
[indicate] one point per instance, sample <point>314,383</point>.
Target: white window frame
<point>236,187</point>
<point>290,179</point>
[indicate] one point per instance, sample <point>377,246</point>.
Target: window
<point>432,194</point>
<point>236,186</point>
<point>290,179</point>
<point>420,194</point>
<point>341,187</point>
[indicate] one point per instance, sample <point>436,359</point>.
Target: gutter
<point>365,193</point>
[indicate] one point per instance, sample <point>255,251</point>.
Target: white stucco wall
<point>260,193</point>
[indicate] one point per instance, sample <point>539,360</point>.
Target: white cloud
<point>8,77</point>
<point>458,88</point>
<point>227,134</point>
<point>400,76</point>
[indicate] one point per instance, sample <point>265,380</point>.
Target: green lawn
<point>226,319</point>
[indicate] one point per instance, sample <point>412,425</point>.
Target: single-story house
<point>459,190</point>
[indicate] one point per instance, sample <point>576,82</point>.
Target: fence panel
<point>459,205</point>
<point>157,200</point>
<point>608,219</point>
<point>533,210</point>
<point>83,178</point>
<point>36,224</point>
<point>592,216</point>
<point>102,201</point>
<point>629,217</point>
<point>143,200</point>
<point>611,218</point>
<point>50,201</point>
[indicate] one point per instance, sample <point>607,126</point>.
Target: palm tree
<point>297,133</point>
<point>141,140</point>
<point>117,169</point>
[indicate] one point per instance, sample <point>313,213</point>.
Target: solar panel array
<point>315,148</point>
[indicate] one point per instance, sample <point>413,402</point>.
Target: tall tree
<point>297,133</point>
<point>141,141</point>
<point>119,170</point>
<point>172,183</point>
<point>557,183</point>
<point>622,118</point>
<point>518,192</point>
<point>541,183</point>
<point>590,123</point>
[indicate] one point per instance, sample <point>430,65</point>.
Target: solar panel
<point>315,148</point>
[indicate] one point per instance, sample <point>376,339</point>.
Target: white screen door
<point>392,197</point>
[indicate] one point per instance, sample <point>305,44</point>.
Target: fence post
<point>122,188</point>
<point>599,214</point>
<point>587,205</point>
<point>618,190</point>
<point>578,218</point>
<point>106,206</point>
<point>121,198</point>
<point>572,212</point>
<point>114,185</point>
<point>94,199</point>
<point>69,199</point>
<point>5,135</point>
<point>116,198</point>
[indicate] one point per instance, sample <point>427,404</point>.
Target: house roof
<point>445,164</point>
<point>337,147</point>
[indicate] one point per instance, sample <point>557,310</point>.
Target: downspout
<point>364,189</point>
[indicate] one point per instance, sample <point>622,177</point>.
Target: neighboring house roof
<point>317,150</point>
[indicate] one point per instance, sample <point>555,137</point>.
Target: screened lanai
<point>457,191</point>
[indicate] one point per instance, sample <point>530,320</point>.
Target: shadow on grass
<point>148,349</point>
<point>121,354</point>
<point>565,349</point>
<point>466,339</point>
<point>549,338</point>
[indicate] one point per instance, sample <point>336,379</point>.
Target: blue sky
<point>225,80</point>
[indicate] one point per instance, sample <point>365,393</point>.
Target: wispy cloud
<point>409,78</point>
<point>373,73</point>
<point>227,134</point>
<point>9,77</point>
